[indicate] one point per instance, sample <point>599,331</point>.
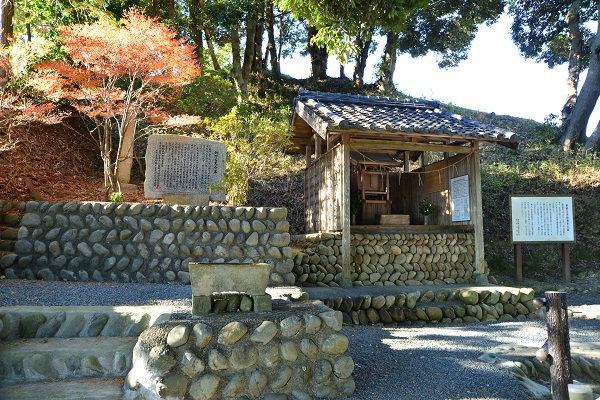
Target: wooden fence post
<point>558,344</point>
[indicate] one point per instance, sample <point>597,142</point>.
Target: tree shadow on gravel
<point>428,363</point>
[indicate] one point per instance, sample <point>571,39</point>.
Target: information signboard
<point>183,165</point>
<point>461,202</point>
<point>542,219</point>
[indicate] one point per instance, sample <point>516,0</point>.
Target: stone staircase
<point>70,352</point>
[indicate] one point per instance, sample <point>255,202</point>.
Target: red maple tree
<point>117,75</point>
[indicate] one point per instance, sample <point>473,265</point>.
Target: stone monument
<point>182,169</point>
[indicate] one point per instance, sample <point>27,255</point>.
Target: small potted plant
<point>426,209</point>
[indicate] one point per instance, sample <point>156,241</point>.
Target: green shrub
<point>116,197</point>
<point>211,95</point>
<point>255,147</point>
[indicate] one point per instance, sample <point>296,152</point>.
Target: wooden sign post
<point>542,219</point>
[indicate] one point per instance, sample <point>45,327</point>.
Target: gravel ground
<point>441,362</point>
<point>413,363</point>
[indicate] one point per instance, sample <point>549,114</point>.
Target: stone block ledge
<point>437,306</point>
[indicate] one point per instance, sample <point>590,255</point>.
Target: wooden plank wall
<point>413,188</point>
<point>323,192</point>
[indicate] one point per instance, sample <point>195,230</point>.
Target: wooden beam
<point>319,126</point>
<point>366,144</point>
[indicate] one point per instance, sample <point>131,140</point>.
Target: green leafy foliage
<point>447,27</point>
<point>338,22</point>
<point>255,144</point>
<point>116,197</point>
<point>540,30</point>
<point>426,207</point>
<point>212,95</point>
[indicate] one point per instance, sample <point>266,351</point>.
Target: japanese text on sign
<point>182,165</point>
<point>459,194</point>
<point>542,219</point>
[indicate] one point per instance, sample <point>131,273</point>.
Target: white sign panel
<point>542,219</point>
<point>461,202</point>
<point>182,165</point>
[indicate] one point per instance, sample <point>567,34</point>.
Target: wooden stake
<point>518,262</point>
<point>558,344</point>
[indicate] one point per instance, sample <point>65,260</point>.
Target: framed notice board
<point>542,219</point>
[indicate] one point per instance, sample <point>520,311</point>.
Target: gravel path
<point>412,363</point>
<point>441,362</point>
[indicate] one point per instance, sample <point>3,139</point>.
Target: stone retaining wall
<point>439,306</point>
<point>388,259</point>
<point>295,352</point>
<point>126,242</point>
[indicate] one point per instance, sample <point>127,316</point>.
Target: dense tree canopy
<point>114,77</point>
<point>445,27</point>
<point>554,32</point>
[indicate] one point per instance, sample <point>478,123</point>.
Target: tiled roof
<point>386,114</point>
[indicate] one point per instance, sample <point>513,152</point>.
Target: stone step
<point>37,360</point>
<point>81,389</point>
<point>28,322</point>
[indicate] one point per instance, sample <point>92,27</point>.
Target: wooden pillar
<point>308,151</point>
<point>477,215</point>
<point>424,159</point>
<point>406,161</point>
<point>345,214</point>
<point>318,146</point>
<point>558,345</point>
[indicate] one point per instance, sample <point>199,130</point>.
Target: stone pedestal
<point>294,352</point>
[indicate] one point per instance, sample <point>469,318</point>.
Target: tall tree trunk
<point>172,10</point>
<point>211,50</point>
<point>7,12</point>
<point>342,71</point>
<point>241,84</point>
<point>318,56</point>
<point>196,30</point>
<point>360,62</point>
<point>388,63</point>
<point>111,183</point>
<point>574,58</point>
<point>586,101</point>
<point>155,8</point>
<point>249,50</point>
<point>124,157</point>
<point>262,82</point>
<point>593,142</point>
<point>258,38</point>
<point>270,23</point>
